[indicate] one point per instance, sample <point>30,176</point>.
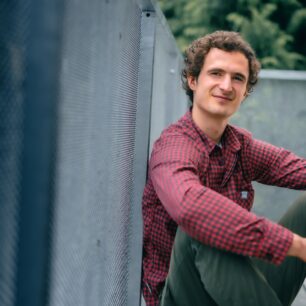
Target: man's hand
<point>298,247</point>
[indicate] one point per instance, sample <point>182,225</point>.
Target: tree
<point>275,28</point>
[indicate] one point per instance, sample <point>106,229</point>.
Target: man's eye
<point>238,78</point>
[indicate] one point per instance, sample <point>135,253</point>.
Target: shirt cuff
<point>277,243</point>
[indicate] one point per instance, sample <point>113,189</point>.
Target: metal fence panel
<point>11,139</point>
<point>29,43</point>
<point>94,181</point>
<point>73,157</point>
<point>169,101</point>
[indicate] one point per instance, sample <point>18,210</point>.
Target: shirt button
<point>221,162</point>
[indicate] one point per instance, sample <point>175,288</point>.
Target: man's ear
<point>192,82</point>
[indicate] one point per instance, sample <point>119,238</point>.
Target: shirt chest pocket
<point>244,191</point>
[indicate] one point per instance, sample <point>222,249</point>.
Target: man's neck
<point>213,127</point>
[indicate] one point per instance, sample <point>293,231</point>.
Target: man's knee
<point>301,201</point>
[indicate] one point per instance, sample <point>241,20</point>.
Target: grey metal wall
<point>11,119</point>
<point>94,239</point>
<point>169,101</point>
<point>29,44</point>
<point>97,228</point>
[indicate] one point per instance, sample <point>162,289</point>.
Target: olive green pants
<point>201,275</point>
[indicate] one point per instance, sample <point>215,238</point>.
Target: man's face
<point>221,85</point>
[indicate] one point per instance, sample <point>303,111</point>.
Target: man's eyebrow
<point>215,69</point>
<point>212,69</point>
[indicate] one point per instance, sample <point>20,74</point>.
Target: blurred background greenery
<point>276,29</point>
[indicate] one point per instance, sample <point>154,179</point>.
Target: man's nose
<point>226,83</point>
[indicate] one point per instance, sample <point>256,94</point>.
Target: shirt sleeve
<point>206,215</point>
<point>275,166</point>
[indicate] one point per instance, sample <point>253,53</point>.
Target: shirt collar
<point>229,138</point>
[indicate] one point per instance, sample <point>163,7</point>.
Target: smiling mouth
<point>222,97</point>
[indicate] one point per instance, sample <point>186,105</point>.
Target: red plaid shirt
<point>206,190</point>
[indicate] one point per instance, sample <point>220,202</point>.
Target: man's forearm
<point>298,247</point>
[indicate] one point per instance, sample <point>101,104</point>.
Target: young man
<point>199,192</point>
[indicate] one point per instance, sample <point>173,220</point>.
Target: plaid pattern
<point>206,189</point>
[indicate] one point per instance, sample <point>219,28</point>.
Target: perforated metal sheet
<point>96,145</point>
<point>169,101</point>
<point>14,19</point>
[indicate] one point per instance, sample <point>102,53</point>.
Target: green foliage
<point>275,28</point>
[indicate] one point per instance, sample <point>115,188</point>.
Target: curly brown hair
<point>226,41</point>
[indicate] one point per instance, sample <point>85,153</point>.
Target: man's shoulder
<point>180,141</point>
<point>182,128</point>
